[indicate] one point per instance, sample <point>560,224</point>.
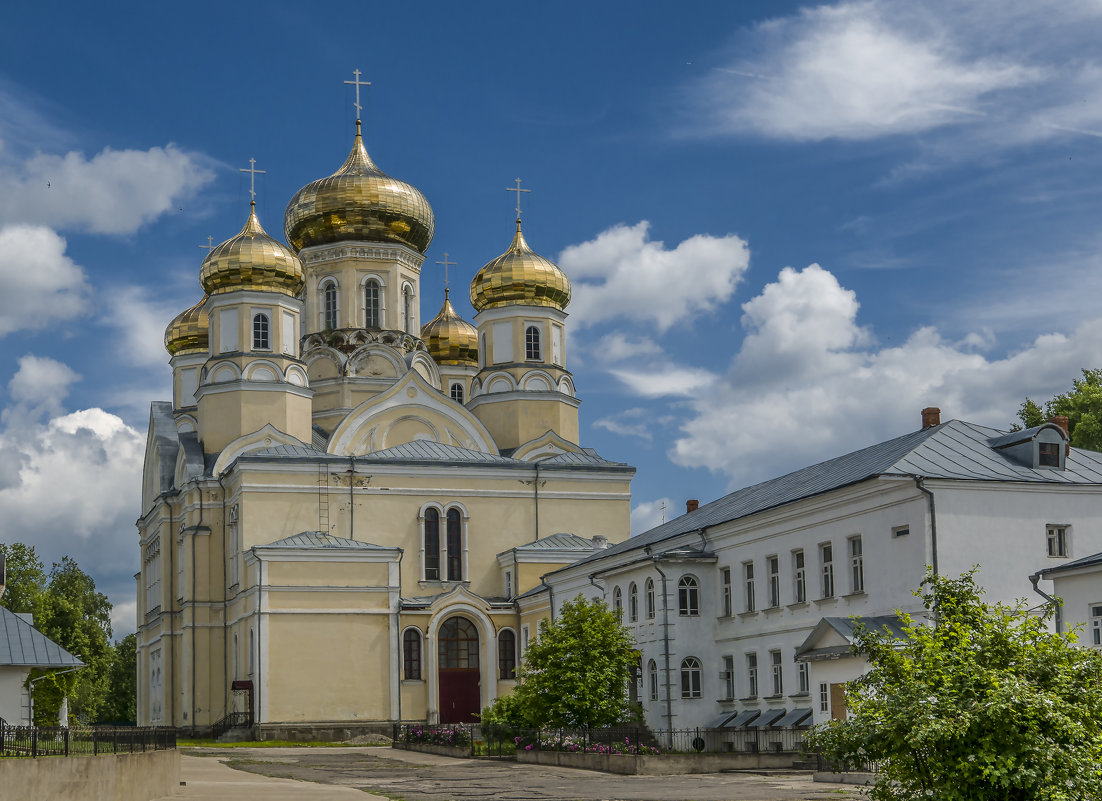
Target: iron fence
<point>39,741</point>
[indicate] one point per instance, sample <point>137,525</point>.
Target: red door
<point>460,692</point>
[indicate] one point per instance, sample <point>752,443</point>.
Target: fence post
<point>34,741</point>
<point>66,742</point>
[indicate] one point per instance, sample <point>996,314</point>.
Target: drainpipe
<point>536,487</point>
<point>398,631</point>
<point>1057,604</point>
<point>921,486</point>
<point>194,532</point>
<point>665,646</point>
<point>171,601</point>
<point>351,497</point>
<point>595,584</point>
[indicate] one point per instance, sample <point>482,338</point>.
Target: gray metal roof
<point>23,645</point>
<point>1095,559</point>
<point>953,450</point>
<point>539,588</point>
<point>587,458</point>
<point>741,719</point>
<point>163,429</point>
<point>427,451</point>
<point>769,717</point>
<point>560,541</point>
<point>283,451</point>
<point>319,438</point>
<point>318,540</point>
<point>794,718</point>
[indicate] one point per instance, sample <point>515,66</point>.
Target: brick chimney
<point>931,416</point>
<point>691,505</point>
<point>1062,421</point>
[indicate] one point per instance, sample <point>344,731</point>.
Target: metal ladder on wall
<point>323,498</point>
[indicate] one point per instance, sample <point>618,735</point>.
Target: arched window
<point>650,599</point>
<point>458,644</point>
<point>633,602</point>
<point>652,680</point>
<point>688,596</point>
<point>411,654</point>
<point>690,677</point>
<point>455,545</point>
<point>532,343</point>
<point>507,654</point>
<point>329,305</point>
<point>372,305</point>
<point>407,309</point>
<point>261,336</point>
<point>457,392</point>
<point>432,545</point>
<point>618,603</point>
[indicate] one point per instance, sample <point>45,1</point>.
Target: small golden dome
<point>252,260</point>
<point>359,202</point>
<point>520,277</point>
<point>189,331</point>
<point>450,338</point>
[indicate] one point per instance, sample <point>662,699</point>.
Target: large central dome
<point>359,202</point>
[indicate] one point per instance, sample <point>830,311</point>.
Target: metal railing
<point>231,721</point>
<point>39,741</point>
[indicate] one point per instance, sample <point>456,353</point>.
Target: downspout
<point>258,682</point>
<point>595,584</point>
<point>171,600</point>
<point>921,486</point>
<point>226,692</point>
<point>665,645</point>
<point>536,487</point>
<point>194,560</point>
<point>1057,604</point>
<point>351,497</point>
<point>398,630</point>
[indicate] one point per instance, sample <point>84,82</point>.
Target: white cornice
<point>400,254</point>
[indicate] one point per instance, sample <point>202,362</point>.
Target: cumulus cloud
<point>140,321</point>
<point>622,273</point>
<point>648,514</point>
<point>872,68</point>
<point>114,192</point>
<point>635,422</point>
<point>809,382</point>
<point>38,387</point>
<point>41,284</point>
<point>664,379</point>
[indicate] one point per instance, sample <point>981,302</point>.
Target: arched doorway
<point>460,691</point>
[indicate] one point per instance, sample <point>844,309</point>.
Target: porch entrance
<point>460,688</point>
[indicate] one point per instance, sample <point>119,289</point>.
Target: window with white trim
<point>729,677</point>
<point>532,350</point>
<point>618,603</point>
<point>151,567</point>
<point>751,675</point>
<point>690,677</point>
<point>776,667</point>
<point>725,576</point>
<point>799,576</point>
<point>1096,625</point>
<point>824,697</point>
<point>454,544</point>
<point>523,640</point>
<point>633,602</point>
<point>856,565</point>
<point>773,563</point>
<point>456,392</point>
<point>826,563</point>
<point>432,545</point>
<point>411,655</point>
<point>652,679</point>
<point>748,586</point>
<point>803,671</point>
<point>650,599</point>
<point>507,654</point>
<point>407,309</point>
<point>1057,539</point>
<point>373,317</point>
<point>329,308</point>
<point>688,596</point>
<point>262,338</point>
<point>508,583</point>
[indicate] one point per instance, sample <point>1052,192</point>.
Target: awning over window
<point>245,684</point>
<point>794,718</point>
<point>767,718</point>
<point>741,719</point>
<point>718,722</point>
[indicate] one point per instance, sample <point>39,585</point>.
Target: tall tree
<point>120,705</point>
<point>575,673</point>
<point>984,703</point>
<point>26,578</point>
<point>1082,405</point>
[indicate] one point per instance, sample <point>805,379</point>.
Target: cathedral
<point>341,506</point>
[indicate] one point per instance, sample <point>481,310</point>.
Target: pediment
<point>411,410</point>
<point>265,437</point>
<point>544,446</point>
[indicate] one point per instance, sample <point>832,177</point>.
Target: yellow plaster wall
<point>225,416</point>
<point>514,421</point>
<point>330,573</point>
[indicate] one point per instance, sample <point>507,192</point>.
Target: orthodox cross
<point>358,83</point>
<point>445,262</point>
<point>253,172</point>
<point>663,511</point>
<point>518,190</point>
<point>210,244</point>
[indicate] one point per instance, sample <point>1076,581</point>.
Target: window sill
<point>442,583</point>
<point>800,695</point>
<point>688,614</point>
<point>772,610</point>
<point>750,699</point>
<point>858,594</point>
<point>799,605</point>
<point>772,698</point>
<point>751,613</point>
<point>413,681</point>
<point>690,698</point>
<point>831,600</point>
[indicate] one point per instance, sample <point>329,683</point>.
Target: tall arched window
<point>690,677</point>
<point>532,343</point>
<point>372,305</point>
<point>688,596</point>
<point>457,392</point>
<point>455,545</point>
<point>618,603</point>
<point>261,335</point>
<point>329,305</point>
<point>652,680</point>
<point>411,654</point>
<point>633,602</point>
<point>457,644</point>
<point>432,545</point>
<point>650,599</point>
<point>407,309</point>
<point>507,654</point>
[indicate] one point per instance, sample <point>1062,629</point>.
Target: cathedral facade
<point>341,505</point>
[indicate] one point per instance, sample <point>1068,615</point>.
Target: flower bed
<point>579,745</point>
<point>450,736</point>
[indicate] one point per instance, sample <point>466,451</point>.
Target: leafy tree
<point>575,674</point>
<point>985,703</point>
<point>26,578</point>
<point>120,705</point>
<point>1082,405</point>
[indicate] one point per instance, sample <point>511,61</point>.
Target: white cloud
<point>140,321</point>
<point>647,515</point>
<point>38,387</point>
<point>115,192</point>
<point>1003,71</point>
<point>41,284</point>
<point>618,346</point>
<point>808,384</point>
<point>635,422</point>
<point>664,379</point>
<point>622,273</point>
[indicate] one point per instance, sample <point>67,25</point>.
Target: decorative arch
<point>537,381</point>
<point>297,376</point>
<point>323,363</point>
<point>566,386</point>
<point>263,370</point>
<point>412,653</point>
<point>408,309</point>
<point>375,361</point>
<point>265,437</point>
<point>461,602</point>
<point>186,423</point>
<point>224,373</point>
<point>499,382</point>
<point>424,364</point>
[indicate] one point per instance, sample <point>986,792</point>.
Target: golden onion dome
<point>359,202</point>
<point>252,260</point>
<point>450,338</point>
<point>189,331</point>
<point>520,277</point>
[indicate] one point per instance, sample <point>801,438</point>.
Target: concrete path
<point>208,779</point>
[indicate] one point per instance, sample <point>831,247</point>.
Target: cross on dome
<point>253,172</point>
<point>358,83</point>
<point>518,190</point>
<point>446,263</point>
<point>210,244</point>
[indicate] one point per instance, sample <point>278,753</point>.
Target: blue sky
<point>789,227</point>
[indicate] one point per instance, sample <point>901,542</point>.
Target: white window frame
<point>773,564</point>
<point>372,280</point>
<point>752,675</point>
<point>688,596</point>
<point>633,603</point>
<point>824,697</point>
<point>618,603</point>
<point>803,673</point>
<point>692,684</point>
<point>725,576</point>
<point>826,573</point>
<point>750,597</point>
<point>1096,625</point>
<point>324,286</point>
<point>776,665</point>
<point>799,576</point>
<point>729,677</point>
<point>652,679</point>
<point>650,599</point>
<point>856,564</point>
<point>1057,539</point>
<point>265,321</point>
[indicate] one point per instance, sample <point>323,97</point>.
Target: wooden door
<point>837,702</point>
<point>458,671</point>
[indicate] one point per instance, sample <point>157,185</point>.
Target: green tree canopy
<point>985,703</point>
<point>120,705</point>
<point>1082,405</point>
<point>575,673</point>
<point>26,578</point>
